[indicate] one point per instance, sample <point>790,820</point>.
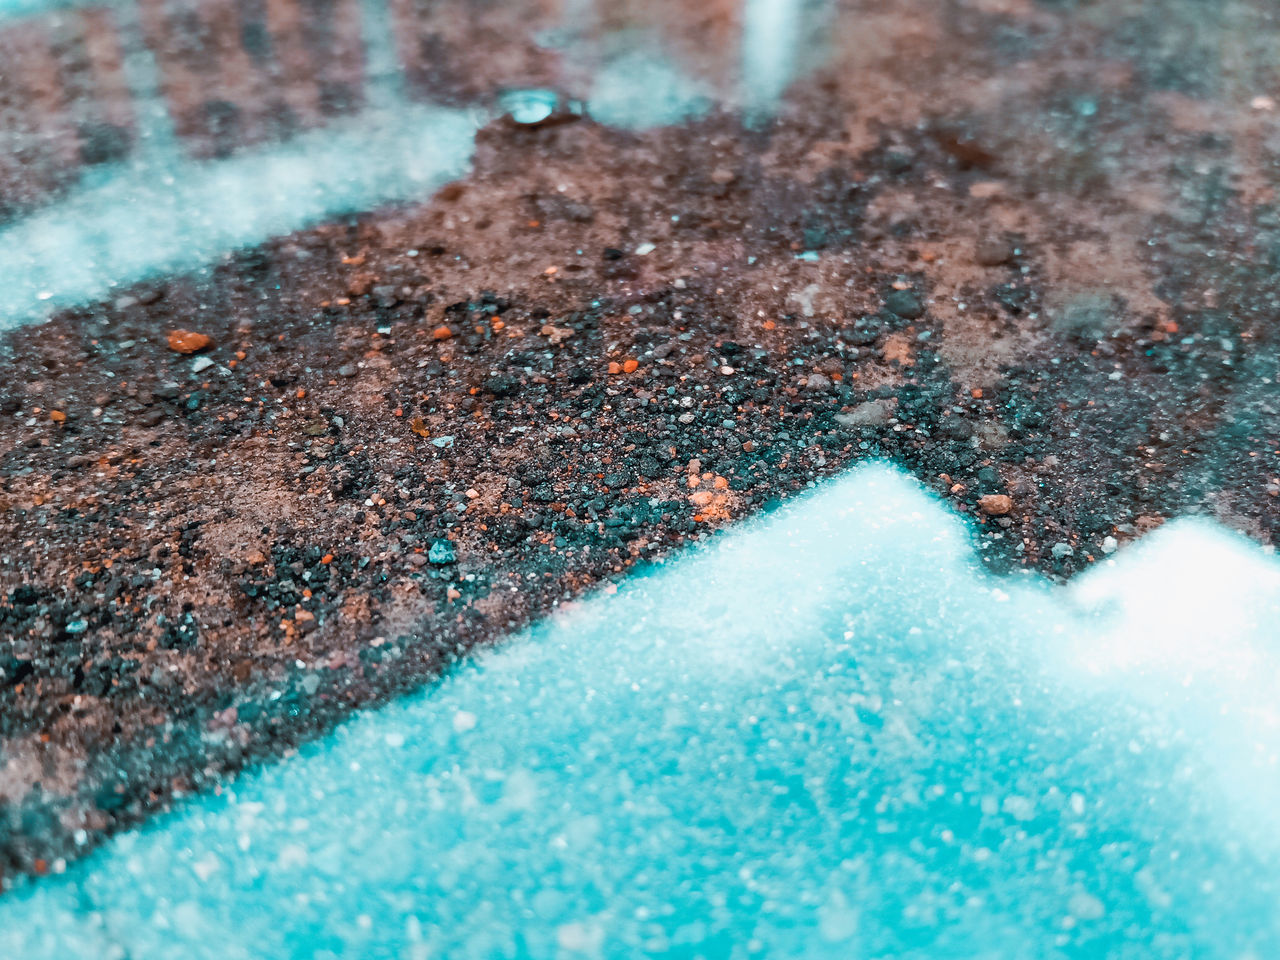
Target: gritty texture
<point>1011,247</point>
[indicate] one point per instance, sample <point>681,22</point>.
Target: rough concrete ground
<point>1027,251</point>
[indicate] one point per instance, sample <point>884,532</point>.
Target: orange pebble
<point>188,341</point>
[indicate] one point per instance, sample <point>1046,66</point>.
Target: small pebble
<point>997,505</point>
<point>442,552</point>
<point>905,303</point>
<point>992,251</point>
<point>873,413</point>
<point>529,107</point>
<point>188,341</point>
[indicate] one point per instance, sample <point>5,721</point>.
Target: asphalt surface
<point>1026,251</point>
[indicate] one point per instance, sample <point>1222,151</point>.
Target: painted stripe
<point>146,221</point>
<point>827,734</point>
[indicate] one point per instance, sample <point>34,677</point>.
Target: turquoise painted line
<point>825,734</point>
<point>16,9</point>
<point>771,48</point>
<point>146,221</point>
<point>162,212</point>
